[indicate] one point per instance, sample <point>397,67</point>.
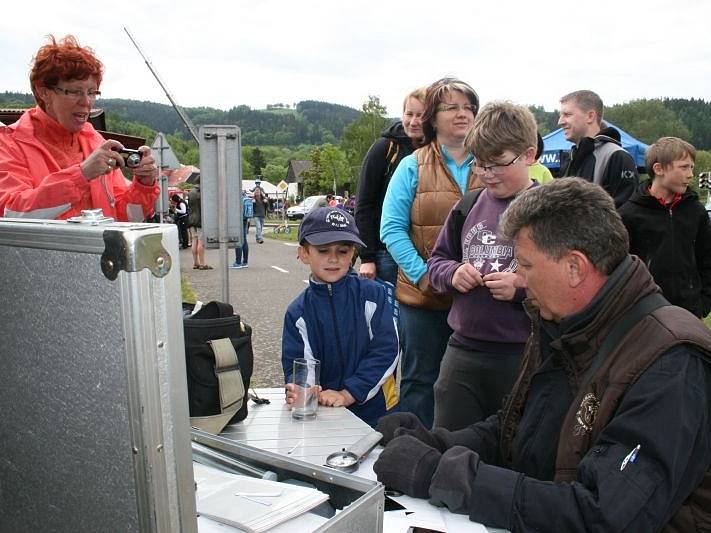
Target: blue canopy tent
<point>554,143</point>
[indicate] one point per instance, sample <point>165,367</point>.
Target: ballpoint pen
<point>630,457</point>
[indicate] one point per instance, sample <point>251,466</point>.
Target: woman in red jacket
<point>53,163</point>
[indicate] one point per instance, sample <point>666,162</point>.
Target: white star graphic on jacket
<point>495,266</point>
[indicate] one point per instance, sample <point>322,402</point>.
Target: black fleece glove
<point>421,434</point>
<point>407,465</point>
<point>388,424</point>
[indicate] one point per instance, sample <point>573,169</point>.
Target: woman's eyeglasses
<point>78,94</point>
<point>448,108</point>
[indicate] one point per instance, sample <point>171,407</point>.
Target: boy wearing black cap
<point>344,321</point>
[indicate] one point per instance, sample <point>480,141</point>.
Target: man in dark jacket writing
<point>597,434</point>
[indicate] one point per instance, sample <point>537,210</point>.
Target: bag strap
<point>390,159</point>
<point>230,384</point>
<point>459,213</point>
<point>643,307</point>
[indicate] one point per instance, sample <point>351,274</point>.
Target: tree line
<point>335,138</point>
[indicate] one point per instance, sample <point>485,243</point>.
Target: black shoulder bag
<point>219,361</point>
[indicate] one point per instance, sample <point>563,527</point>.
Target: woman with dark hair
<point>53,163</point>
<point>383,157</point>
<point>422,192</point>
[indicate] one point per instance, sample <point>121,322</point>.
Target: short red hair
<point>63,60</point>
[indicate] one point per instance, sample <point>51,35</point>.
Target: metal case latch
<point>133,251</point>
<point>93,217</point>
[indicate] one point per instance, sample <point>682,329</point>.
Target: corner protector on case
<point>132,251</point>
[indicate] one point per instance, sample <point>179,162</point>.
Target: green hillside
<point>310,122</point>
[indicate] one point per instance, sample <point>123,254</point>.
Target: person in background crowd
<point>669,228</point>
<point>53,163</point>
<point>607,427</point>
<point>260,211</point>
<point>350,206</point>
<point>478,268</point>
<point>597,155</point>
<point>383,157</point>
<point>181,219</point>
<point>242,252</point>
<point>195,228</point>
<point>538,171</point>
<point>422,191</point>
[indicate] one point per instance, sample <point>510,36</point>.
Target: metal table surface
<point>271,427</point>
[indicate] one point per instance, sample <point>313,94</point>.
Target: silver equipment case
<point>96,433</point>
<point>360,502</point>
<point>95,430</point>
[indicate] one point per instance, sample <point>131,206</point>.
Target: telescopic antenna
<point>178,109</point>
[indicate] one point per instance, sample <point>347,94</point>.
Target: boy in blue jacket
<point>344,321</point>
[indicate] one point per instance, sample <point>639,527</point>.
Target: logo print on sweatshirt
<point>480,248</point>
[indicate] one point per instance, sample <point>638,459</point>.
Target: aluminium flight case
<point>359,502</point>
<point>95,426</point>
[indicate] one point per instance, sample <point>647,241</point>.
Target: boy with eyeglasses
<point>478,268</point>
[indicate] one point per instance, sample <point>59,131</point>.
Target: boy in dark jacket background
<point>668,227</point>
<point>341,320</point>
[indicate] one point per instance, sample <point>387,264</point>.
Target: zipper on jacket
<point>675,287</point>
<point>336,333</point>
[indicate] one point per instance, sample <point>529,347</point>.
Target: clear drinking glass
<point>306,386</point>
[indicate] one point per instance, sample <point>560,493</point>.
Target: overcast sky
<point>258,52</point>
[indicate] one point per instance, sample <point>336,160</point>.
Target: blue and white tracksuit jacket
<point>349,327</point>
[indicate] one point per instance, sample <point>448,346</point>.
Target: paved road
<point>260,294</point>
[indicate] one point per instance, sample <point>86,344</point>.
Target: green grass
<point>187,291</point>
<point>289,237</point>
<point>707,321</point>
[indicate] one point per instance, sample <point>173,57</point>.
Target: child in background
<point>341,320</point>
<point>669,229</point>
<point>538,171</point>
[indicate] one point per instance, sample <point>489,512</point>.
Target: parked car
<point>302,209</point>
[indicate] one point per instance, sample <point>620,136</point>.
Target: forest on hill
<point>335,138</point>
<point>310,122</point>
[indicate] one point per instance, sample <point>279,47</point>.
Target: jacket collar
<point>323,288</point>
<point>581,334</point>
<point>25,128</point>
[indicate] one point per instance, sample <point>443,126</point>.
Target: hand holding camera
<point>103,160</point>
<point>111,155</point>
<point>146,171</point>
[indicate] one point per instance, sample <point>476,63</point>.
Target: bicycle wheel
<point>287,229</point>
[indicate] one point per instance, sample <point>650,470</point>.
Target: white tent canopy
<point>249,185</point>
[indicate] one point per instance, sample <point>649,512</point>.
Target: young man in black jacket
<point>597,155</point>
<point>669,229</point>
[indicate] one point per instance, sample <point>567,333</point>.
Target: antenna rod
<point>178,109</point>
